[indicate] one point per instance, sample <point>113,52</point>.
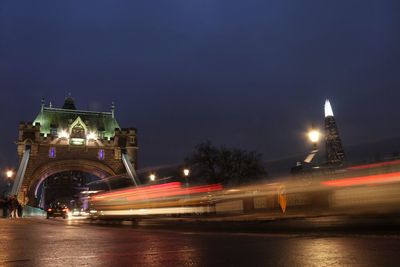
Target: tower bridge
<point>68,139</point>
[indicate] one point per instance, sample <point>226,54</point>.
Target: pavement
<point>168,242</point>
<point>269,222</point>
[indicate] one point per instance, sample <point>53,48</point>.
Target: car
<point>57,211</point>
<point>76,212</point>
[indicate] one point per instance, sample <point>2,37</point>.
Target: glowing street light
<point>314,136</point>
<point>152,177</point>
<point>9,173</point>
<point>186,172</point>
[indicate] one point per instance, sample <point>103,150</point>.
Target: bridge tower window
<point>52,152</point>
<point>101,154</point>
<point>53,130</point>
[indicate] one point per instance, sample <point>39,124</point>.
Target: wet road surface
<point>40,242</point>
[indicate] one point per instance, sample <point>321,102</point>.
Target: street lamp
<point>314,136</point>
<point>186,173</point>
<point>9,174</point>
<point>152,177</point>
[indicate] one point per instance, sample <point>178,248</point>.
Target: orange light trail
<point>157,191</point>
<point>365,180</point>
<point>176,192</point>
<point>374,165</point>
<point>147,189</point>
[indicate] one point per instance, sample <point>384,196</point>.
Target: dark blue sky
<point>250,74</point>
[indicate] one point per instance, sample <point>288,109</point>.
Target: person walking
<point>5,207</point>
<point>14,207</point>
<point>9,207</point>
<point>19,210</point>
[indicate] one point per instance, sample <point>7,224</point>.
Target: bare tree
<point>203,161</point>
<point>224,165</point>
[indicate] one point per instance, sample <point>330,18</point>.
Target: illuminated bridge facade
<point>67,139</point>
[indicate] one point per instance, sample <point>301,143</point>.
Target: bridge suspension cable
<point>130,169</point>
<point>19,178</point>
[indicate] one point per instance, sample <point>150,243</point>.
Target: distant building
<point>334,148</point>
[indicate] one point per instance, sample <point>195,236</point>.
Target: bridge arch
<point>45,170</point>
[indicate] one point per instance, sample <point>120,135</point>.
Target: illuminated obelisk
<point>334,149</point>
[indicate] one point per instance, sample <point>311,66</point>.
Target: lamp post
<point>186,173</point>
<point>10,176</point>
<point>152,177</point>
<point>314,136</point>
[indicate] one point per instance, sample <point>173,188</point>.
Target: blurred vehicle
<point>170,199</point>
<point>57,211</point>
<point>371,189</point>
<point>76,212</point>
<point>104,185</point>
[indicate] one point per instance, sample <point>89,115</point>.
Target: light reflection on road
<point>27,242</point>
<point>324,252</point>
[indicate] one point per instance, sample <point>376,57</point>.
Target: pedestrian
<point>9,206</point>
<point>13,207</point>
<point>4,207</point>
<point>19,210</point>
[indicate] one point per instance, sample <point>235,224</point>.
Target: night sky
<point>247,74</point>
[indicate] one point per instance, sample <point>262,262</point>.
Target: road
<point>40,242</point>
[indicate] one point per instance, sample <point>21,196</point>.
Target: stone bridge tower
<point>64,139</point>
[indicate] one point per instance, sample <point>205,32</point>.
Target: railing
<point>29,211</point>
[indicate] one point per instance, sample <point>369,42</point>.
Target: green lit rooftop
<point>61,119</point>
